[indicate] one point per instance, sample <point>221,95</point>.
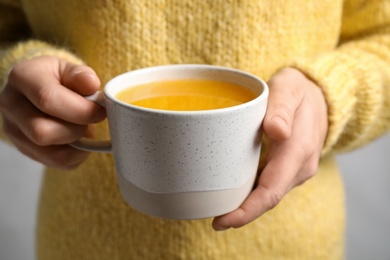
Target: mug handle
<point>90,145</point>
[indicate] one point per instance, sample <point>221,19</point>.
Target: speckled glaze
<point>185,165</point>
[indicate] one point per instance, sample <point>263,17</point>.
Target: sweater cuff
<point>28,50</point>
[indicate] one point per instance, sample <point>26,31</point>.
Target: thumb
<point>79,78</point>
<point>284,99</point>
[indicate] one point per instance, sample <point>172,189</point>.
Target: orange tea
<point>187,95</point>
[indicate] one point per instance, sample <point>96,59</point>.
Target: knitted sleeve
<point>355,78</point>
<point>16,43</point>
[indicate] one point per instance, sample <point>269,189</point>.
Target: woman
<point>327,64</point>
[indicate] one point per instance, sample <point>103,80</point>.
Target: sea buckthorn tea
<point>187,95</point>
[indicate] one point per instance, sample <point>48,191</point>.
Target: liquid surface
<point>186,95</point>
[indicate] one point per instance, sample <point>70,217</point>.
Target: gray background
<point>365,172</point>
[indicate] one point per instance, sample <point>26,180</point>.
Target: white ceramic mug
<point>183,164</point>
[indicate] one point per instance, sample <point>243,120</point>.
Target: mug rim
<point>112,83</point>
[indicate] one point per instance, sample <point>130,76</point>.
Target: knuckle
<point>311,169</point>
<point>40,132</point>
<point>43,98</point>
<point>273,197</point>
<point>308,172</point>
<point>305,148</point>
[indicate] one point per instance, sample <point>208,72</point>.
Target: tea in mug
<point>187,95</point>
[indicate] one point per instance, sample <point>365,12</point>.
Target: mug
<point>183,164</point>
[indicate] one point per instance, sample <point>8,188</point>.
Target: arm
<point>355,78</point>
<point>337,102</point>
<point>41,106</point>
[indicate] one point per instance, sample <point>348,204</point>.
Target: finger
<point>275,181</point>
<point>278,177</point>
<point>288,164</point>
<point>284,100</point>
<point>63,157</point>
<point>52,98</point>
<point>41,129</point>
<point>79,78</point>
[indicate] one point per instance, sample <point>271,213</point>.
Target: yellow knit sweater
<point>344,46</point>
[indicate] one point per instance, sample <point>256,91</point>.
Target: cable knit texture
<point>341,45</point>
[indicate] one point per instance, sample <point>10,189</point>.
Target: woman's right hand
<point>43,109</point>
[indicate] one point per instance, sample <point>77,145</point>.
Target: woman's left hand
<point>296,125</point>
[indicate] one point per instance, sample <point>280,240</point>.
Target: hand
<point>43,109</point>
<point>296,125</point>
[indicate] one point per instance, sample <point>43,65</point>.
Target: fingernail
<point>221,228</point>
